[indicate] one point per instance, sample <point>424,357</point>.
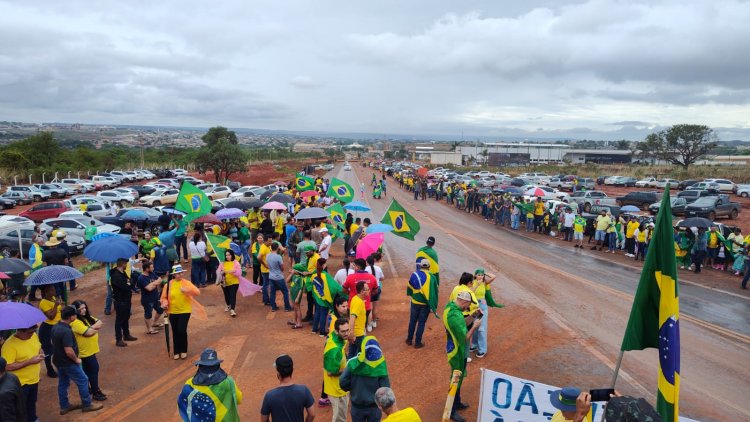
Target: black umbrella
<point>698,222</point>
<point>267,194</point>
<point>14,265</point>
<point>281,197</point>
<point>242,205</point>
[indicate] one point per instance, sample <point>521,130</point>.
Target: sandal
<point>294,327</point>
<point>152,332</point>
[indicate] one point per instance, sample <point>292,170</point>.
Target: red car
<point>50,209</point>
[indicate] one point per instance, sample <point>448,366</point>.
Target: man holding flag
<point>423,290</point>
<point>654,319</point>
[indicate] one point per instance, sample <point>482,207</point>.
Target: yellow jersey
<point>45,305</point>
<point>87,346</point>
<point>17,350</point>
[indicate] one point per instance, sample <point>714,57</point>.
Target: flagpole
<point>386,210</point>
<point>614,379</point>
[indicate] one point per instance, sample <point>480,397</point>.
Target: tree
<point>485,153</point>
<point>222,154</point>
<point>681,144</point>
<point>215,134</point>
<point>622,145</point>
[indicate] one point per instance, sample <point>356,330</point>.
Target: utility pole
<point>140,138</point>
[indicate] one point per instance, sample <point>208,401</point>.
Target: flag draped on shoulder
<point>216,402</point>
<point>325,289</point>
<point>333,354</point>
<point>338,215</point>
<point>654,319</point>
<point>403,223</point>
<point>193,202</point>
<point>340,190</point>
<point>428,253</point>
<point>304,183</point>
<point>524,207</point>
<point>370,361</point>
<point>423,288</point>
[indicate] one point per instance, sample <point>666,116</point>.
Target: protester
<point>51,306</point>
<point>276,279</point>
<point>480,285</point>
<point>324,249</point>
<point>23,353</point>
<point>287,402</point>
<point>177,298</point>
<point>122,289</point>
<point>603,222</point>
<point>344,272</point>
<point>419,281</point>
<point>254,250</point>
<point>361,274</point>
<point>68,363</point>
<point>377,272</point>
<point>149,283</point>
<point>457,336</point>
<point>213,385</point>
<point>12,407</point>
<point>265,249</point>
<point>386,401</point>
<point>295,282</point>
<point>86,329</point>
<point>357,317</point>
<point>363,375</point>
<point>199,259</point>
<point>571,404</point>
<point>334,362</point>
<point>230,272</point>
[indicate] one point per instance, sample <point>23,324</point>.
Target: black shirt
<point>165,221</point>
<point>266,227</point>
<point>54,256</point>
<point>121,287</point>
<point>62,337</point>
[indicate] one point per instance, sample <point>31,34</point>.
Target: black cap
<point>284,361</point>
<point>431,240</point>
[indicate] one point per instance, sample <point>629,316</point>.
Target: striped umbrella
<point>52,274</point>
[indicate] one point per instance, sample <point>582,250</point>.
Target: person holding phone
<point>481,282</point>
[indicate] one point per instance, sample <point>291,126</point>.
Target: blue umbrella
<point>630,208</point>
<point>15,315</point>
<point>379,228</point>
<point>356,206</point>
<point>52,274</point>
<point>167,238</point>
<point>135,215</point>
<point>110,249</point>
<point>14,265</point>
<point>172,211</point>
<point>228,213</point>
<point>104,235</point>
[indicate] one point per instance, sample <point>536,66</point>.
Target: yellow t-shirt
<point>45,305</point>
<point>332,327</point>
<point>480,289</point>
<point>280,220</point>
<point>17,350</point>
<point>602,223</point>
<point>460,288</point>
<point>312,263</point>
<point>87,346</point>
<point>331,384</point>
<point>353,228</point>
<point>713,240</point>
<point>254,219</point>
<point>558,417</point>
<point>178,302</point>
<point>229,278</point>
<point>357,307</point>
<point>632,225</point>
<point>538,208</point>
<point>264,251</point>
<point>404,415</point>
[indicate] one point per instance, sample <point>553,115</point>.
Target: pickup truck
<point>589,198</point>
<point>712,207</point>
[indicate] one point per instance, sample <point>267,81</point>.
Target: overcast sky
<point>597,68</point>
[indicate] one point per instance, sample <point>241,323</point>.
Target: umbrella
<point>14,265</point>
<point>241,205</point>
<point>273,205</point>
<point>267,194</point>
<point>281,197</point>
<point>369,244</point>
<point>228,213</point>
<point>356,206</point>
<point>4,276</point>
<point>630,208</point>
<point>379,228</point>
<point>104,235</point>
<point>167,238</point>
<point>208,218</point>
<point>15,315</point>
<point>511,189</point>
<point>110,250</point>
<point>173,211</point>
<point>310,213</point>
<point>135,215</point>
<point>254,203</point>
<point>484,191</point>
<point>535,192</point>
<point>309,193</point>
<point>52,274</point>
<point>422,172</point>
<point>698,222</point>
<point>280,183</point>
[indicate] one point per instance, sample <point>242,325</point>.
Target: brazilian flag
<point>333,354</point>
<point>422,287</point>
<point>403,223</point>
<point>219,244</point>
<point>325,289</point>
<point>338,214</point>
<point>193,202</point>
<point>491,300</point>
<point>455,332</point>
<point>340,190</point>
<point>370,361</point>
<point>304,183</point>
<point>334,231</point>
<point>431,256</point>
<point>655,318</point>
<point>216,402</point>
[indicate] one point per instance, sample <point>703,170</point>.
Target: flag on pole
<point>193,202</point>
<point>403,223</point>
<point>654,319</point>
<point>304,183</point>
<point>341,190</point>
<point>219,244</point>
<point>338,215</point>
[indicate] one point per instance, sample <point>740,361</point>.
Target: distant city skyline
<point>427,69</point>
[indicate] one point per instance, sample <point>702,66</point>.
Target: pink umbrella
<point>280,183</point>
<point>369,244</point>
<point>309,193</point>
<point>273,205</point>
<point>3,275</point>
<point>535,192</point>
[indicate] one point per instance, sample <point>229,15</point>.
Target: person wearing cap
<point>209,390</point>
<point>364,374</point>
<point>479,286</point>
<point>178,301</point>
<point>386,401</point>
<point>428,253</point>
<point>23,353</point>
<point>457,336</point>
<point>289,401</point>
<point>324,249</point>
<point>572,405</point>
<point>419,283</point>
<point>122,290</point>
<point>12,408</point>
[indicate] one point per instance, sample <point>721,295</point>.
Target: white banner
<point>504,398</point>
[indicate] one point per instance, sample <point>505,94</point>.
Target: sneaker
<point>121,343</point>
<point>419,345</point>
<point>93,407</point>
<point>468,360</point>
<point>374,324</point>
<point>473,349</point>
<point>183,355</point>
<point>369,328</point>
<point>480,355</point>
<point>232,313</point>
<point>457,418</point>
<point>131,338</point>
<point>324,402</point>
<point>99,397</point>
<point>227,308</point>
<point>68,409</point>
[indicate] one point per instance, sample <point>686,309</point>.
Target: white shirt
<point>341,274</point>
<point>325,246</point>
<point>197,250</point>
<point>569,218</point>
<point>379,276</point>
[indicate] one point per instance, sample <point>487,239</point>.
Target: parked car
<point>160,197</point>
<point>686,184</point>
<point>714,206</point>
<point>236,185</point>
<point>218,192</point>
<point>6,203</point>
<point>640,199</point>
<point>78,225</point>
<point>127,190</point>
<point>600,180</point>
<point>560,183</point>
<point>103,182</point>
<point>20,198</point>
<point>147,220</point>
<point>240,192</point>
<point>178,172</point>
<point>69,191</point>
<point>206,186</point>
<point>40,212</point>
<point>35,194</point>
<point>648,182</point>
<point>724,184</point>
<point>9,234</point>
<point>610,180</point>
<point>536,178</point>
<point>677,203</point>
<point>53,191</point>
<point>190,179</point>
<point>705,185</point>
<point>585,183</point>
<point>124,177</point>
<point>662,183</point>
<point>95,207</point>
<point>143,190</point>
<point>113,196</point>
<point>625,181</point>
<point>691,195</point>
<point>743,190</point>
<point>587,199</point>
<point>171,182</point>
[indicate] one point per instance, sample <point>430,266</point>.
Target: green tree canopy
<point>681,144</point>
<point>221,155</point>
<point>218,133</point>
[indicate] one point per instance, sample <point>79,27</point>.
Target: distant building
<point>598,156</point>
<point>510,154</point>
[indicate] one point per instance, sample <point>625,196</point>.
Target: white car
<point>104,182</point>
<point>663,183</point>
<point>205,186</point>
<point>10,220</point>
<point>77,227</point>
<point>239,193</point>
<point>128,191</point>
<point>74,184</point>
<point>724,184</point>
<point>347,167</point>
<point>218,192</point>
<point>648,182</point>
<point>171,182</point>
<point>179,172</point>
<point>610,181</point>
<point>146,174</point>
<point>743,190</point>
<point>113,196</point>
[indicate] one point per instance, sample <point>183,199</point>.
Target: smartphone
<point>601,394</point>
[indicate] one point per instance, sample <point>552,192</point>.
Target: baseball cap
<point>431,240</point>
<point>284,361</point>
<point>324,229</point>
<point>466,296</point>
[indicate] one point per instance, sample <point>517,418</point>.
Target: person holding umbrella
<point>86,330</point>
<point>178,299</point>
<point>50,305</point>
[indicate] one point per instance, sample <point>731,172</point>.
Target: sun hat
<point>464,295</point>
<point>176,269</point>
<point>209,357</point>
<point>324,229</point>
<point>61,234</point>
<point>479,271</point>
<point>564,399</point>
<point>52,242</point>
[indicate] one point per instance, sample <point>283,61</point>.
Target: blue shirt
<point>275,261</point>
<point>143,281</point>
<point>287,404</point>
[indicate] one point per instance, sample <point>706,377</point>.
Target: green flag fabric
<point>491,300</point>
<point>215,402</point>
<point>219,244</point>
<point>333,231</point>
<point>370,361</point>
<point>455,332</point>
<point>654,319</point>
<point>423,289</point>
<point>338,215</point>
<point>340,190</point>
<point>193,202</point>
<point>304,183</point>
<point>428,253</point>
<point>403,223</point>
<point>325,289</point>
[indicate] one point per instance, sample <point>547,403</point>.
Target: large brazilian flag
<point>304,183</point>
<point>325,289</point>
<point>193,202</point>
<point>340,190</point>
<point>403,223</point>
<point>655,317</point>
<point>428,253</point>
<point>209,403</point>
